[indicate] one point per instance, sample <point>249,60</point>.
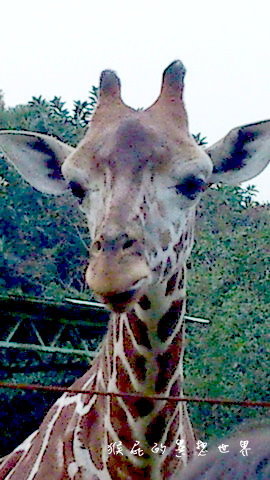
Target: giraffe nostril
<point>113,244</point>
<point>128,244</point>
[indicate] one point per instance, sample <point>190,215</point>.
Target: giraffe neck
<point>143,353</point>
<point>138,341</point>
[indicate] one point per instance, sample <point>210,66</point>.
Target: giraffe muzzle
<point>118,281</point>
<point>123,301</point>
<point>120,302</point>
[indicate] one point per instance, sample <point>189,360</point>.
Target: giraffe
<point>138,176</point>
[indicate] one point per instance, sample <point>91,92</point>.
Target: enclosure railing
<point>33,314</point>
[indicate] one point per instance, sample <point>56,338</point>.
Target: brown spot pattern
<point>167,412</point>
<point>120,423</point>
<point>155,430</point>
<point>172,432</point>
<point>144,406</point>
<point>92,430</point>
<point>179,246</point>
<point>136,361</point>
<point>181,283</point>
<point>168,362</point>
<point>171,284</point>
<point>122,378</point>
<point>145,303</point>
<point>169,321</point>
<point>117,327</point>
<point>171,464</point>
<point>139,330</point>
<point>175,389</point>
<point>68,438</point>
<point>168,266</point>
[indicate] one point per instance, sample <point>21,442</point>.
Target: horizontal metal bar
<point>96,305</point>
<point>102,306</point>
<point>124,395</point>
<point>45,349</point>
<point>196,319</point>
<point>60,308</point>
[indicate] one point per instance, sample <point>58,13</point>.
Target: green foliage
<point>199,139</point>
<point>51,117</point>
<point>2,103</point>
<point>229,284</point>
<point>36,229</point>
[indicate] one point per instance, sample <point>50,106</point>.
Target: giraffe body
<point>138,176</point>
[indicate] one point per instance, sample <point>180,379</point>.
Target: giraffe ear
<point>37,157</point>
<point>242,154</point>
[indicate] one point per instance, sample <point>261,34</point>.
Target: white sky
<point>59,47</point>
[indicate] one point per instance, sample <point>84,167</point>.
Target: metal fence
<point>70,327</point>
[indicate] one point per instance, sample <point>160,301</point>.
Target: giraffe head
<point>138,176</point>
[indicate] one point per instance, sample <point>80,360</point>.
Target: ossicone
<point>109,86</point>
<point>173,79</point>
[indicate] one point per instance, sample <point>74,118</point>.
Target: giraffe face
<point>138,176</point>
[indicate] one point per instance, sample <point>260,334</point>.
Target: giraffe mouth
<point>119,302</point>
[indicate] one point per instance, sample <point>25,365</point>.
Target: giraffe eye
<point>191,186</point>
<point>77,190</point>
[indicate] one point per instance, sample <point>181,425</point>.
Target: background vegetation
<point>228,277</point>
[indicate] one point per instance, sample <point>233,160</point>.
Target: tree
<point>32,222</point>
<point>229,284</point>
<point>2,103</point>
